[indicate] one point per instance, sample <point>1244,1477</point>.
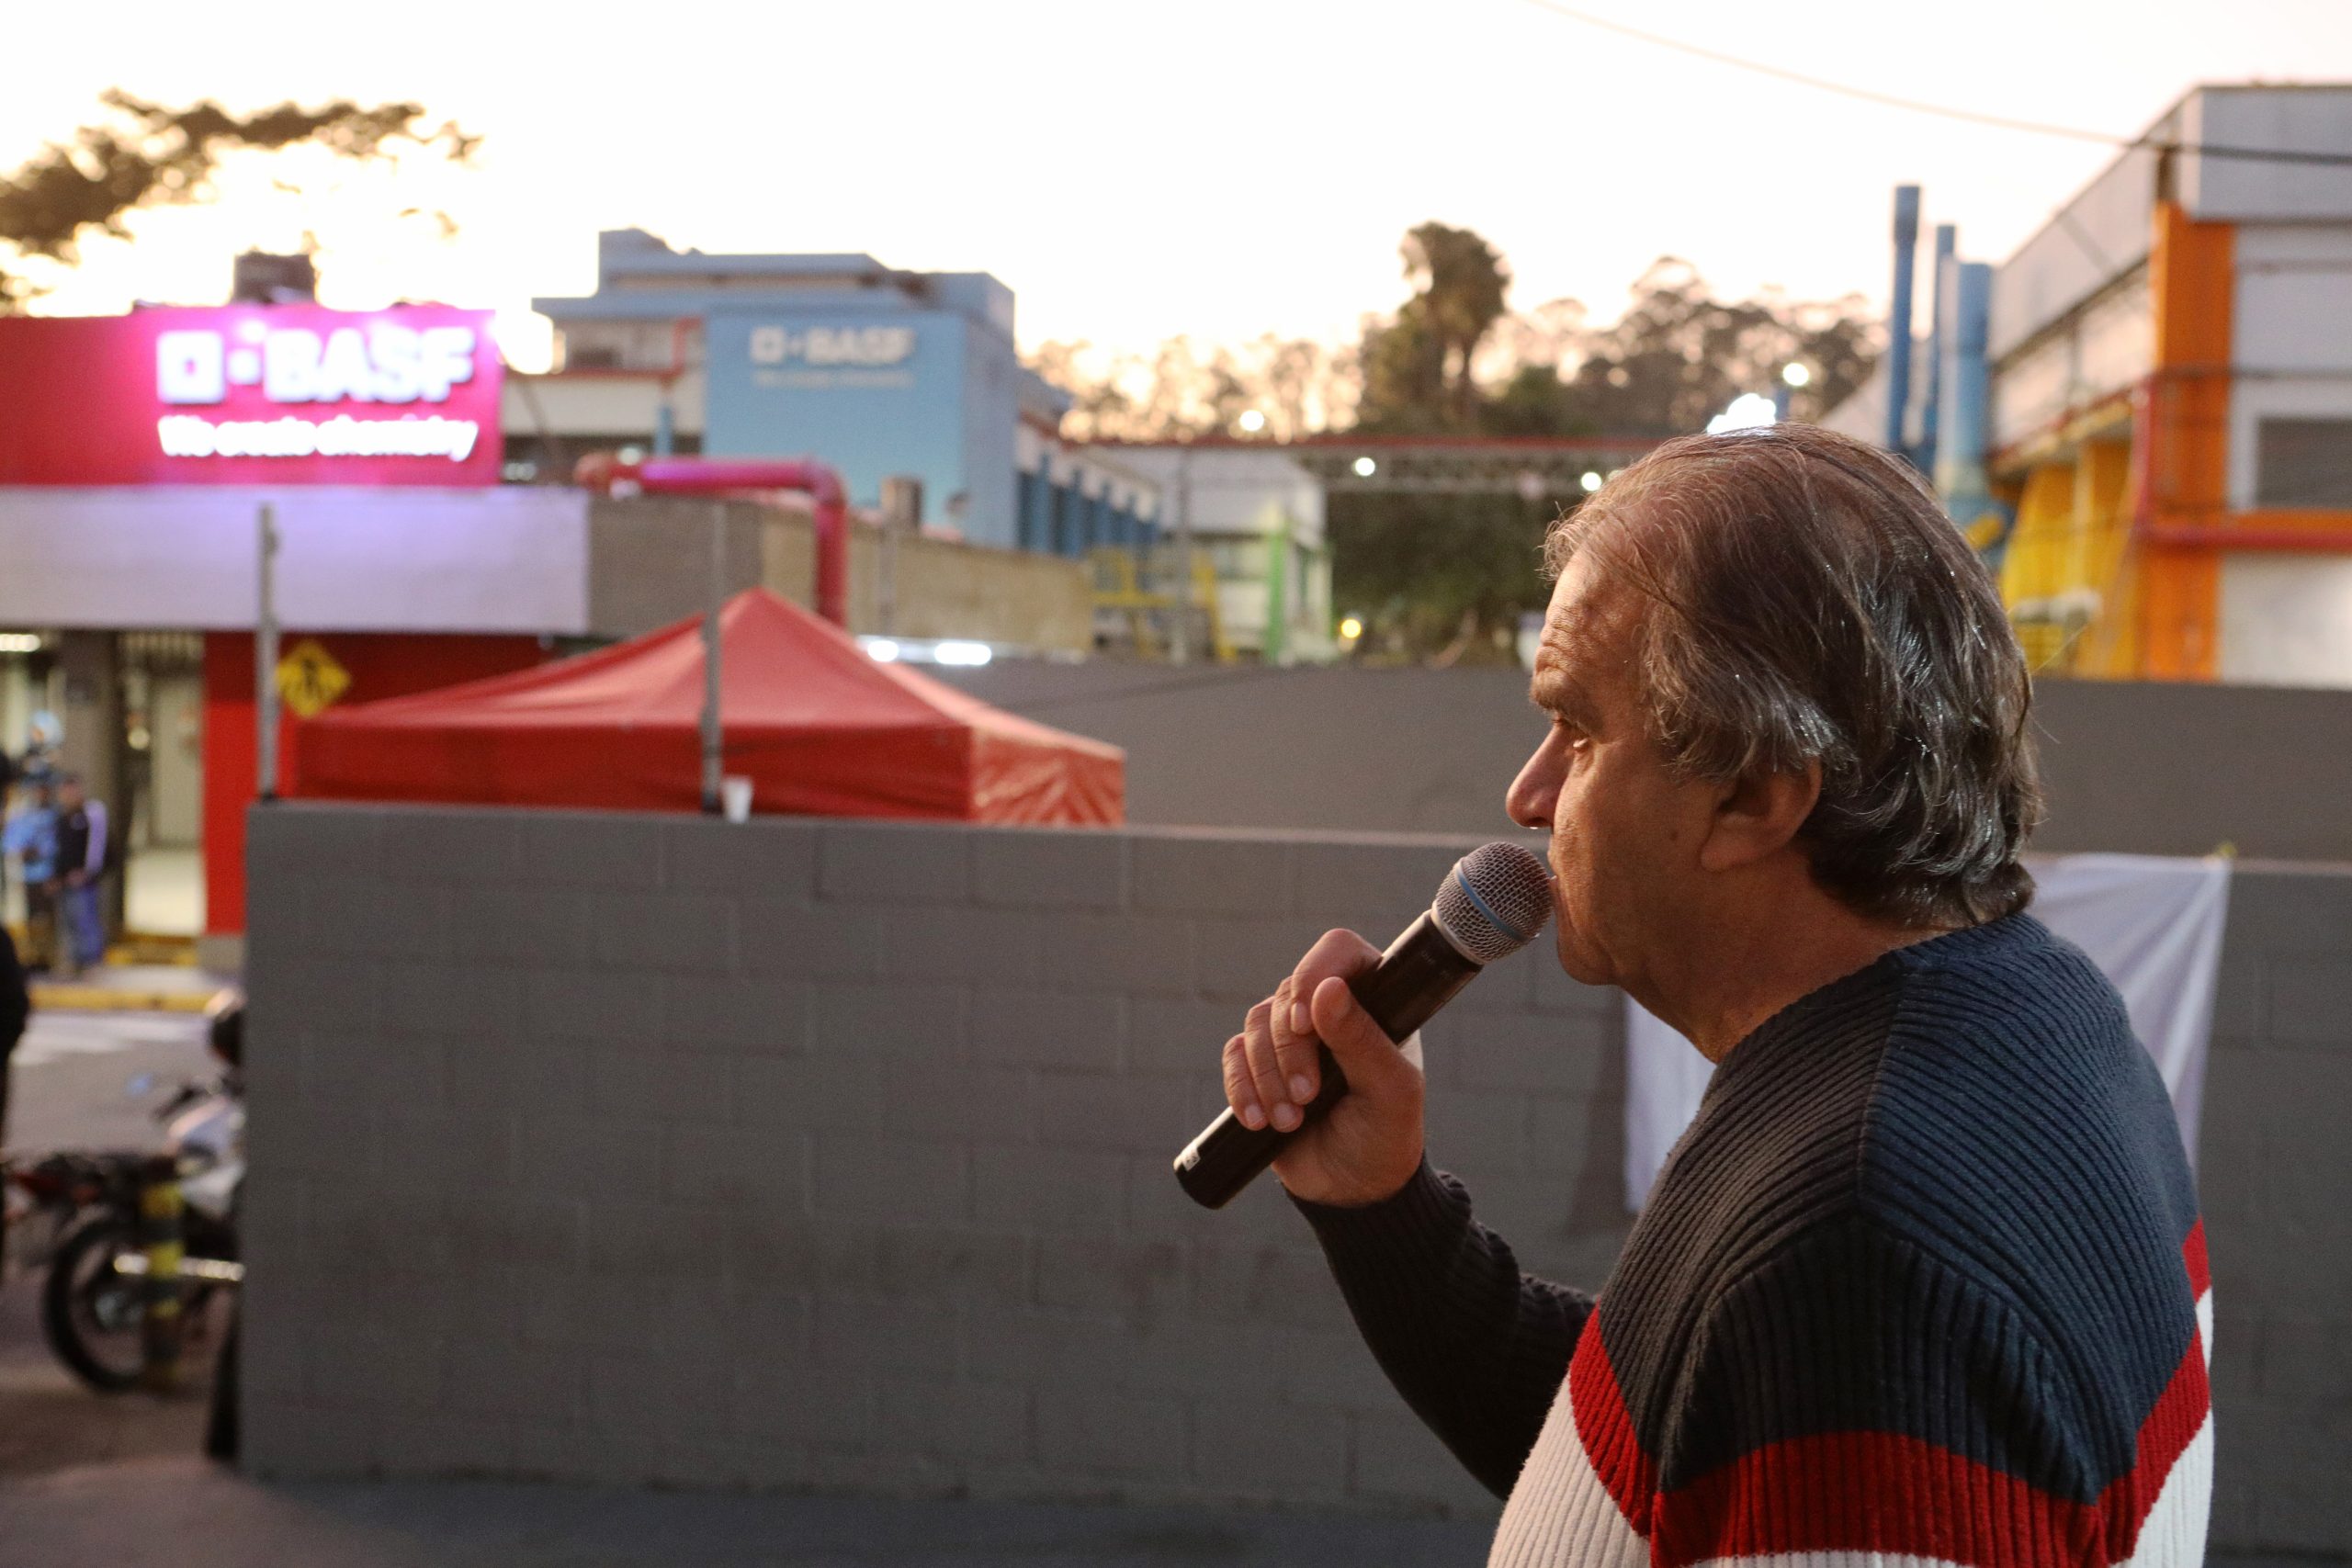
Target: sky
<point>1134,170</point>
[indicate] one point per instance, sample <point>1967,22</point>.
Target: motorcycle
<point>94,1298</point>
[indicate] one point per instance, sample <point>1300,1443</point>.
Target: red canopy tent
<point>817,725</point>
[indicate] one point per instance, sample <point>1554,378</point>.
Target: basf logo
<point>823,358</point>
<point>251,394</point>
<point>832,345</point>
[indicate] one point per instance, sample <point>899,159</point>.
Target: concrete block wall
<point>837,1156</point>
<point>1245,746</point>
<point>2275,1176</point>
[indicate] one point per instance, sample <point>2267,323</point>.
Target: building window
<point>2303,462</point>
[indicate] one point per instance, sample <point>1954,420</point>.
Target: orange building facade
<point>2170,399</point>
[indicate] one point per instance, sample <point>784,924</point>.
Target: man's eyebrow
<point>1552,691</point>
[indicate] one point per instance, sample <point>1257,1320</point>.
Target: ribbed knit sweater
<point>1923,1283</point>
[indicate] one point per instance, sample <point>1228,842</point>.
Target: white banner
<point>2152,923</point>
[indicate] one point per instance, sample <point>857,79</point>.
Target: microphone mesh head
<point>1494,901</point>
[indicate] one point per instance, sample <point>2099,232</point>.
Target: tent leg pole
<point>713,740</point>
<point>266,653</point>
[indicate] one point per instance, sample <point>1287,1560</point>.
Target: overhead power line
<point>1945,111</point>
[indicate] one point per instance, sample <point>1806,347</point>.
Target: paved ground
<point>70,1072</point>
<point>49,1422</point>
<point>184,1514</point>
<point>128,987</point>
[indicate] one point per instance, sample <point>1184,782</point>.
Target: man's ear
<point>1758,816</point>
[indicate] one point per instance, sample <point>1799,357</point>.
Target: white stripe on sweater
<point>1560,1516</point>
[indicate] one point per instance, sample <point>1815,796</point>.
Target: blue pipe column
<point>1931,395</point>
<point>1963,388</point>
<point>1898,325</point>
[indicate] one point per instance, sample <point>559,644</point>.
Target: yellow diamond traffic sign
<point>310,679</point>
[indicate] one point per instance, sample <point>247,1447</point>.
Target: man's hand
<point>1370,1145</point>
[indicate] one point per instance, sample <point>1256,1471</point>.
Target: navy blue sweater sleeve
<point>1476,1347</point>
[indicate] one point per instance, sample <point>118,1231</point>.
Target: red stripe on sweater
<point>2179,1412</point>
<point>1880,1492</point>
<point>1871,1492</point>
<point>1606,1430</point>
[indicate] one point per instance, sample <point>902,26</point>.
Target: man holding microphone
<point>1925,1281</point>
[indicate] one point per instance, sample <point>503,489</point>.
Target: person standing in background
<point>31,836</point>
<point>81,866</point>
<point>8,788</point>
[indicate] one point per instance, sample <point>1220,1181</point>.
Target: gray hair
<point>1814,603</point>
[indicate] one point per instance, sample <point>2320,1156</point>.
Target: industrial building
<point>2145,415</point>
<point>1252,513</point>
<point>880,372</point>
<point>139,454</point>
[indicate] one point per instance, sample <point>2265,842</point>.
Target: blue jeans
<point>85,932</point>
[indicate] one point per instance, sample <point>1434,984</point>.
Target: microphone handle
<point>1419,974</point>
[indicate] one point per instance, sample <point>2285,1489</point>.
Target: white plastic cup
<point>735,798</point>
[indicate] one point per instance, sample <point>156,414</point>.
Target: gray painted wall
<point>2146,767</point>
<point>836,1155</point>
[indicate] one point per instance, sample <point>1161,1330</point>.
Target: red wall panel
<point>381,664</point>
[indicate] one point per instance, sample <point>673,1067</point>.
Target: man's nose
<point>1534,795</point>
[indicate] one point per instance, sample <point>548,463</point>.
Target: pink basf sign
<point>251,394</point>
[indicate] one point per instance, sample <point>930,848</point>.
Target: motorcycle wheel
<point>90,1315</point>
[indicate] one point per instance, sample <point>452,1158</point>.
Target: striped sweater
<point>1924,1284</point>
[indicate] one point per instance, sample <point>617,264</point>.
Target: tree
<point>1420,369</point>
<point>1446,577</point>
<point>1439,578</point>
<point>1298,385</point>
<point>151,157</point>
<point>1679,355</point>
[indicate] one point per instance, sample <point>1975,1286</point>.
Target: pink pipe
<point>722,476</point>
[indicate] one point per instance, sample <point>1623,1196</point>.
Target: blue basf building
<point>879,372</point>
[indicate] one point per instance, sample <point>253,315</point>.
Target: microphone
<point>1490,905</point>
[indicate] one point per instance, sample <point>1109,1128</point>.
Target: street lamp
<point>1251,422</point>
<point>1793,376</point>
<point>1591,481</point>
<point>1366,468</point>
